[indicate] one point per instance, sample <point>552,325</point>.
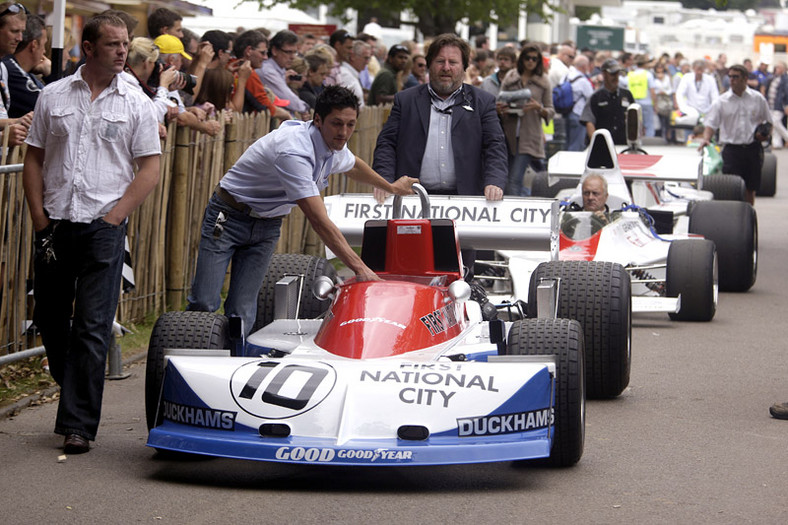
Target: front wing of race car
<point>343,412</point>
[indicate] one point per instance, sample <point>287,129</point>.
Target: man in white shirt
<point>737,114</point>
<point>559,64</point>
<point>697,90</point>
<point>350,70</point>
<point>88,131</point>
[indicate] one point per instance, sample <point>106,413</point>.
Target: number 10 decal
<point>274,390</point>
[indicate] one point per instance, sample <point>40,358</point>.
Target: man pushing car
<point>286,168</point>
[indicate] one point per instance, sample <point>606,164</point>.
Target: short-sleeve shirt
<point>607,110</point>
<point>291,163</point>
<point>89,146</point>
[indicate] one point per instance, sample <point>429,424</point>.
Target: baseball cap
<point>398,48</point>
<point>169,44</point>
<point>611,66</point>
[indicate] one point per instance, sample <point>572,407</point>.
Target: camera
<point>294,78</point>
<point>155,77</point>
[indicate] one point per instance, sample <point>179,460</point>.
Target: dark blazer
<point>480,157</point>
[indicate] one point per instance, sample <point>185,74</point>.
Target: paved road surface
<point>690,441</point>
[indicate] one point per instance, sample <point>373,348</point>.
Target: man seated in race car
<point>595,195</point>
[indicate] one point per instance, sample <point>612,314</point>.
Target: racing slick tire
<point>540,186</point>
<point>725,187</point>
<point>692,273</point>
<point>598,295</point>
<point>562,338</point>
<point>733,226</point>
<point>310,307</point>
<point>178,330</point>
<point>768,176</point>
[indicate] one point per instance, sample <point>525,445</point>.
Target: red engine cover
<point>384,318</point>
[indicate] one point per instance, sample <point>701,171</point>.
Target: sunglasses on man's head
<point>14,9</point>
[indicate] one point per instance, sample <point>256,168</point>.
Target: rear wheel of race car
<point>733,226</point>
<point>692,273</point>
<point>768,176</point>
<point>178,330</point>
<point>598,295</point>
<point>540,186</point>
<point>725,187</point>
<point>283,264</point>
<point>562,338</point>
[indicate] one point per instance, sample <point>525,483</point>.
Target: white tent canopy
<point>229,15</point>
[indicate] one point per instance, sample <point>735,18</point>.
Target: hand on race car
<point>367,275</point>
<point>493,193</point>
<point>404,186</point>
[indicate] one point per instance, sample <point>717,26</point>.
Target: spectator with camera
<point>252,47</point>
<point>171,54</point>
<point>275,72</point>
<point>141,62</point>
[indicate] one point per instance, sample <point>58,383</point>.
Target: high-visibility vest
<point>638,83</point>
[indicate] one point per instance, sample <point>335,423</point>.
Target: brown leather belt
<point>225,196</point>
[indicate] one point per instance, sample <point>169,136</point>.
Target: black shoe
<point>779,410</point>
<point>75,444</point>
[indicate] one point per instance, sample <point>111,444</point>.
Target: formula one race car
<point>401,371</point>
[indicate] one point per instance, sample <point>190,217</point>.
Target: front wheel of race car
<point>282,264</point>
<point>205,330</point>
<point>692,274</point>
<point>562,338</point>
<point>725,187</point>
<point>598,295</point>
<point>768,176</point>
<point>733,226</point>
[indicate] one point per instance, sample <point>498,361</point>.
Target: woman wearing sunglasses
<point>523,126</point>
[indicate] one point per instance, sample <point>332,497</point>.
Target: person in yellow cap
<point>172,54</point>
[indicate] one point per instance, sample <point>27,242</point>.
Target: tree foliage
<point>433,16</point>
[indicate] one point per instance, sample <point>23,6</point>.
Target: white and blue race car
<point>401,371</point>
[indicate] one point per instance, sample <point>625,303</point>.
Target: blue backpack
<point>563,101</point>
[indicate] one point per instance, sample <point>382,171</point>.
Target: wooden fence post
<point>176,244</point>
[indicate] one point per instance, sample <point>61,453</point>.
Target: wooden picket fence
<point>164,232</point>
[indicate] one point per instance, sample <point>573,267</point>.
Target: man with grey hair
<point>697,90</point>
<point>582,89</point>
<point>350,70</point>
<point>594,190</point>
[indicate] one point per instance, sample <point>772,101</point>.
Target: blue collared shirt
<point>437,165</point>
<point>291,163</point>
<point>273,77</point>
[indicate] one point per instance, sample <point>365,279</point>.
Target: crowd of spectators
<point>192,78</point>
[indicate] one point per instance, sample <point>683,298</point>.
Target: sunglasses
<point>14,9</point>
<point>734,77</point>
<point>532,58</point>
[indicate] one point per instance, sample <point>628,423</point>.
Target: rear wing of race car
<point>515,223</point>
<point>674,164</point>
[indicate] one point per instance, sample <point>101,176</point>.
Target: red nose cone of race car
<point>578,250</point>
<point>386,318</point>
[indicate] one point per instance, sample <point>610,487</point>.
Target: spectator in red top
<point>252,46</point>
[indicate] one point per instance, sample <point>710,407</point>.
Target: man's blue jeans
<point>517,166</point>
<point>246,241</point>
<point>81,280</point>
<point>575,133</point>
<point>648,119</point>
